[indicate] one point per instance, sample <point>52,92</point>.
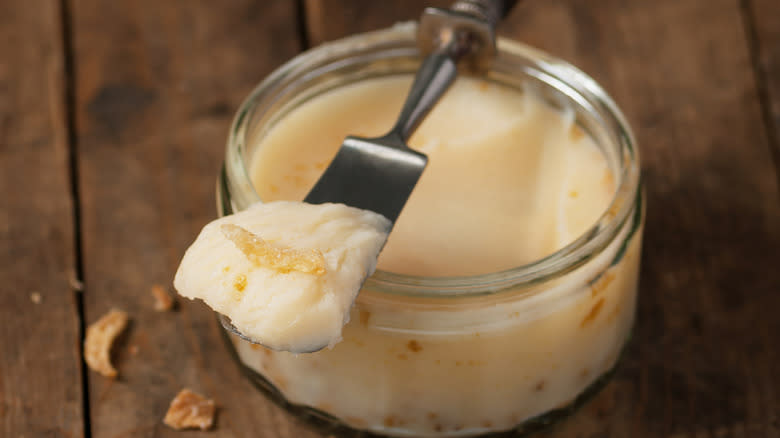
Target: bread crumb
<point>35,297</point>
<point>163,301</point>
<point>99,339</point>
<point>189,410</point>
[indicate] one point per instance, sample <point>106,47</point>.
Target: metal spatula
<point>379,174</point>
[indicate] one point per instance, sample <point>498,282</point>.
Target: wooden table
<point>113,119</point>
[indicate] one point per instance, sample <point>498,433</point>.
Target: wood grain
<point>40,368</point>
<point>157,84</point>
<point>703,361</point>
<point>327,20</point>
<point>706,336</point>
<point>764,23</point>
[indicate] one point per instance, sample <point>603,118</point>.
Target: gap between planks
<point>73,176</point>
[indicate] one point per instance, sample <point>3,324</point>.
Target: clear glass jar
<point>510,350</point>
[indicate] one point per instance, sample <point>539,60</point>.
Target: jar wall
<point>467,367</point>
<point>449,364</point>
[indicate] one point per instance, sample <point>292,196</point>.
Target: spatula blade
<point>375,174</point>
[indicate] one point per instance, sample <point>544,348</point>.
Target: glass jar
<point>510,350</point>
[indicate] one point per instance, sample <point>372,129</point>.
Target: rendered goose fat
<point>510,179</point>
<point>285,273</point>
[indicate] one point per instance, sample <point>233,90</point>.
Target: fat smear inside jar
<point>510,180</point>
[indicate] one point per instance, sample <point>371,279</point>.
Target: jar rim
<point>624,206</point>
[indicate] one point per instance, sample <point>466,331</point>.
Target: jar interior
<point>286,90</point>
<point>450,357</point>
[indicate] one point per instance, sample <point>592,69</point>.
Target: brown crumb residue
<point>133,350</point>
<point>600,284</point>
<point>584,373</point>
<point>487,423</point>
<point>239,283</point>
<point>321,165</point>
<point>402,356</point>
<point>432,415</point>
<point>365,316</point>
<point>608,180</point>
<point>437,362</point>
<point>355,421</point>
<point>484,86</point>
<point>325,407</point>
<point>414,346</point>
<point>163,301</point>
<point>258,347</point>
<point>539,387</point>
<point>295,180</point>
<point>438,427</point>
<point>576,133</point>
<point>614,313</point>
<point>189,410</point>
<point>279,382</point>
<point>594,312</point>
<point>389,421</point>
<point>99,339</point>
<point>458,363</point>
<point>35,297</point>
<point>280,259</point>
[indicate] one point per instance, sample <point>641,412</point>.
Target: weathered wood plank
<point>703,358</point>
<point>40,365</point>
<point>327,20</point>
<point>764,17</point>
<point>157,84</point>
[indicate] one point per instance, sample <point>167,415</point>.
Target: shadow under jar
<point>464,355</point>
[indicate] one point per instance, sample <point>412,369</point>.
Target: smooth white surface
<point>293,311</point>
<point>509,180</point>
